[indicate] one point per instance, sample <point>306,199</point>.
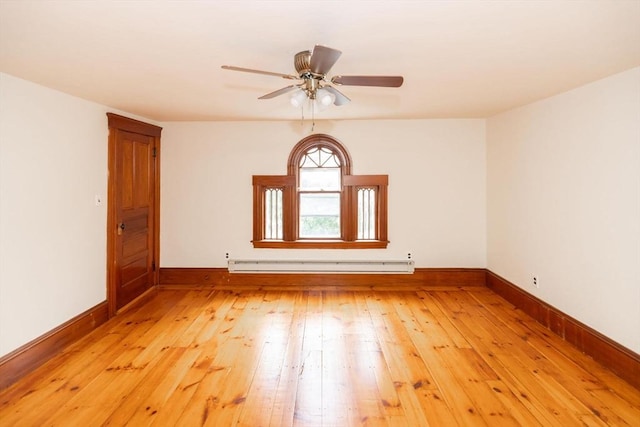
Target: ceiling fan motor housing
<point>302,62</point>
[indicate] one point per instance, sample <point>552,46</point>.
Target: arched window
<point>319,203</point>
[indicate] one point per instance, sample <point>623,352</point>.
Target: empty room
<point>320,213</point>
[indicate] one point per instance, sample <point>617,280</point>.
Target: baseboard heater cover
<point>321,266</point>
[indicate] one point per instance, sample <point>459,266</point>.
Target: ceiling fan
<point>312,69</point>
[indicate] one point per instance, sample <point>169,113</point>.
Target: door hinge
<point>155,151</point>
<point>153,266</point>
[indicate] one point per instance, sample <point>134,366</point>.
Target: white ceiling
<point>466,58</point>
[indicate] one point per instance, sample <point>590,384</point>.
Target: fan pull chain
<point>313,114</point>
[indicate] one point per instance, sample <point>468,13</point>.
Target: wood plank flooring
<point>442,357</point>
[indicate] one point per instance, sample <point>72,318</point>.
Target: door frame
<point>116,124</point>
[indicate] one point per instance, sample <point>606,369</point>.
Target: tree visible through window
<point>319,204</point>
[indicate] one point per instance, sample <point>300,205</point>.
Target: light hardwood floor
<point>441,357</point>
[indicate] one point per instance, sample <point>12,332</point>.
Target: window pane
<point>273,214</point>
<point>366,214</point>
<point>319,179</point>
<point>319,215</point>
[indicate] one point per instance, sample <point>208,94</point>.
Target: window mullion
<point>381,213</point>
<point>289,213</point>
<point>258,211</point>
<point>347,213</point>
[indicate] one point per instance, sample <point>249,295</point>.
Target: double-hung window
<point>319,203</point>
<point>319,191</point>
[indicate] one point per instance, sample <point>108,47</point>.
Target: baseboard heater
<point>321,266</point>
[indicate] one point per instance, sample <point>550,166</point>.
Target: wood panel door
<point>133,227</point>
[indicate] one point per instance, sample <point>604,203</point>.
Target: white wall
<point>53,161</point>
<point>563,199</point>
<point>436,174</point>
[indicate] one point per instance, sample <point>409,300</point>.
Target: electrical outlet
<point>535,281</point>
<point>409,255</point>
<point>226,255</point>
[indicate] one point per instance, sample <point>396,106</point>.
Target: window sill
<point>320,244</point>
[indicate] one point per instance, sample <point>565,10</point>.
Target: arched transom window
<point>319,203</point>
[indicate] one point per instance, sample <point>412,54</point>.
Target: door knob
<point>120,228</point>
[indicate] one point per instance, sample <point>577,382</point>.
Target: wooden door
<point>133,210</point>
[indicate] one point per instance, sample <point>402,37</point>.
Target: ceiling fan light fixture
<point>298,98</point>
<point>325,98</point>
